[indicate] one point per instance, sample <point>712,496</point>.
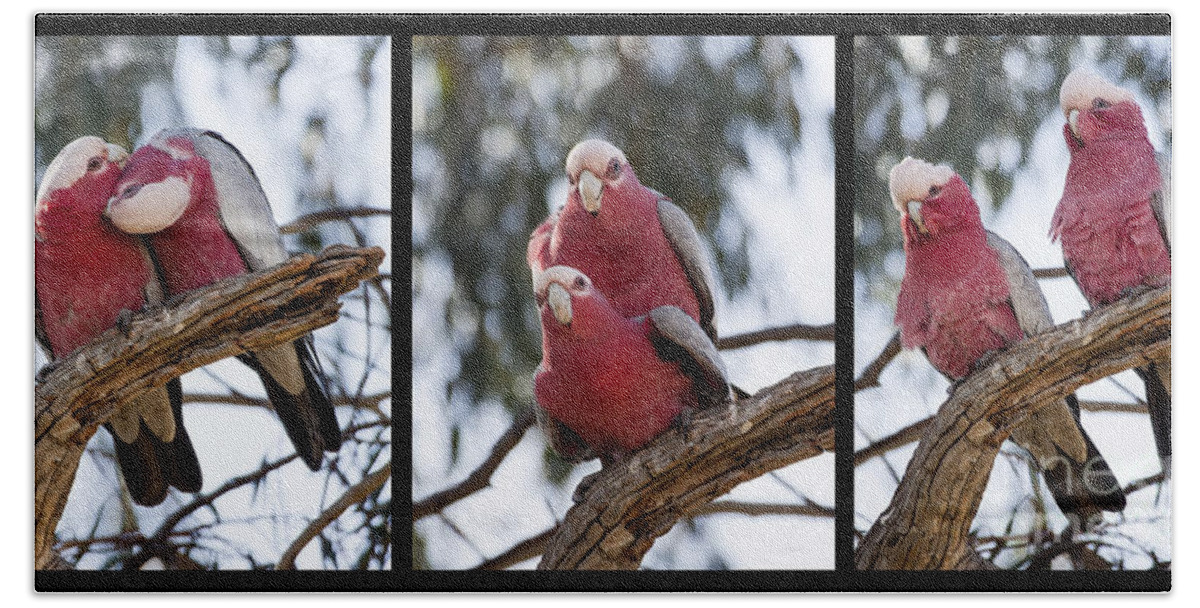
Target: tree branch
<point>927,524</point>
<point>630,505</point>
<point>754,509</point>
<point>356,494</point>
<point>481,477</point>
<point>1050,273</point>
<point>526,549</point>
<point>870,374</point>
<point>307,221</point>
<point>239,314</point>
<point>797,331</point>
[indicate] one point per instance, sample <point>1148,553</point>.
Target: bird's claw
<point>46,370</point>
<point>124,320</point>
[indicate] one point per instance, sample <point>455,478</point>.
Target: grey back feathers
<point>245,211</point>
<point>677,331</point>
<point>685,241</point>
<point>1028,302</point>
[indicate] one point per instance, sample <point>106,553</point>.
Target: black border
<point>401,27</point>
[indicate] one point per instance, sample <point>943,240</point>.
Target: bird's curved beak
<point>117,154</point>
<point>591,189</point>
<point>1073,121</point>
<point>914,212</point>
<point>559,300</point>
<point>149,208</point>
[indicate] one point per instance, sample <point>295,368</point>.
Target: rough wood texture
<point>244,313</point>
<point>630,505</point>
<point>926,526</point>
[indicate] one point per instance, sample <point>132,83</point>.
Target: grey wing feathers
<point>1160,202</point>
<point>245,211</point>
<point>679,336</point>
<point>1028,302</point>
<point>684,239</point>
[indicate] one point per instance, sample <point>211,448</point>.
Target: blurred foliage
<point>97,85</point>
<point>88,85</point>
<point>493,142</point>
<point>972,102</point>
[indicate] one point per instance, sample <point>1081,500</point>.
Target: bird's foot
<point>954,384</point>
<point>585,484</point>
<point>46,370</point>
<point>607,461</point>
<point>124,320</point>
<point>1135,290</point>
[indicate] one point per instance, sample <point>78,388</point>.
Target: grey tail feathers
<point>150,465</point>
<point>308,418</point>
<point>1158,401</point>
<point>1083,489</point>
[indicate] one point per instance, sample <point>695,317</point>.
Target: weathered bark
<point>926,526</point>
<point>630,505</point>
<point>233,316</point>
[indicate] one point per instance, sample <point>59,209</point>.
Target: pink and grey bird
<point>1112,215</point>
<point>206,218</point>
<point>640,249</point>
<point>608,384</point>
<point>87,275</point>
<point>966,292</point>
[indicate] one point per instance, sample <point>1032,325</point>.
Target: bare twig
<point>526,549</point>
<point>481,477</point>
<point>354,495</point>
<point>797,331</point>
<point>898,439</point>
<point>1050,273</point>
<point>870,374</point>
<point>309,220</point>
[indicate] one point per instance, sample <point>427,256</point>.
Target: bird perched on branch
<point>87,274</point>
<point>966,292</point>
<point>639,248</point>
<point>641,256</point>
<point>206,218</point>
<point>1112,215</point>
<point>608,384</point>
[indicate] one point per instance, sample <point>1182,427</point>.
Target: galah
<point>967,292</point>
<point>608,384</point>
<point>1112,217</point>
<point>87,275</point>
<point>206,218</point>
<point>639,248</point>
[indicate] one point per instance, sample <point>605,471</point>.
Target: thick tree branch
<point>630,505</point>
<point>927,524</point>
<point>482,475</point>
<point>233,316</point>
<point>797,331</point>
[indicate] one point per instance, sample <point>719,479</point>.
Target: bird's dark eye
<point>94,163</point>
<point>934,190</point>
<point>614,167</point>
<point>580,282</point>
<point>1099,104</point>
<point>130,190</point>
